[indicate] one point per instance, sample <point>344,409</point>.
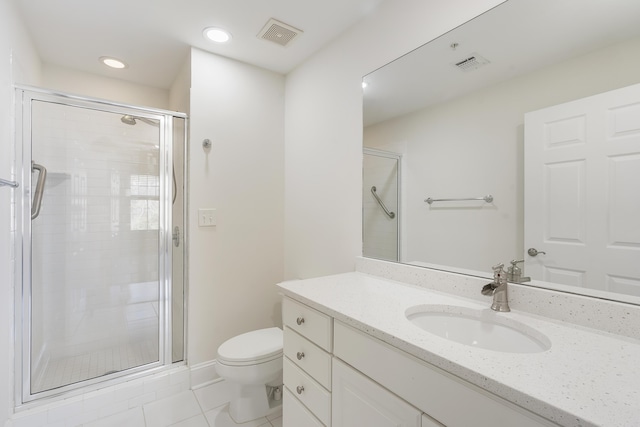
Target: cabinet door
<point>359,401</point>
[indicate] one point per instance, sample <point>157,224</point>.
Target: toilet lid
<point>252,346</point>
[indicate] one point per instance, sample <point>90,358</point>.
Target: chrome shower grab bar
<point>37,197</point>
<point>381,203</point>
<point>488,198</point>
<point>4,182</point>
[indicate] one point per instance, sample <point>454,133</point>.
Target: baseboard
<point>204,374</point>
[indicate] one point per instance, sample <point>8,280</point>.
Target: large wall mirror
<point>514,137</point>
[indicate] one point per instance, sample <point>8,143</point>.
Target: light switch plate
<point>207,217</point>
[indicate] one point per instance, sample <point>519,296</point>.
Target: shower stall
<point>100,236</point>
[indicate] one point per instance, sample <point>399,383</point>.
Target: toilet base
<point>250,402</point>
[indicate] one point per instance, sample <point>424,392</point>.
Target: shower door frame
<point>24,96</point>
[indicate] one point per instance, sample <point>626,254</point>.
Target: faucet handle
<point>497,268</point>
<point>499,276</point>
<point>515,262</point>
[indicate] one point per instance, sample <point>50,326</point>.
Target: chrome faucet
<point>514,273</point>
<point>498,288</point>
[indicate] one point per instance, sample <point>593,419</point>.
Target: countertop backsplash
<point>604,315</point>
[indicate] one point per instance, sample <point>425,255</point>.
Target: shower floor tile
<point>69,370</point>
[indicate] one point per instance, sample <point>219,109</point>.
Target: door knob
<point>535,252</point>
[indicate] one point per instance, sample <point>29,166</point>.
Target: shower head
<point>132,120</point>
<point>128,120</point>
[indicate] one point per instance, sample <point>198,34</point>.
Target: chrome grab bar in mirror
<point>381,203</point>
<point>37,197</point>
<point>4,182</point>
<point>488,198</point>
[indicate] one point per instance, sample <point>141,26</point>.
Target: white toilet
<point>252,364</point>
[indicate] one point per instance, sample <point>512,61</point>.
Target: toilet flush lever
<point>300,355</point>
<point>300,320</point>
<point>300,389</point>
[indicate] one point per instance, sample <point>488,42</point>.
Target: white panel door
<point>582,192</point>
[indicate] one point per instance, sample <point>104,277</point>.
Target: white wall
<point>179,90</point>
<point>485,156</point>
<point>18,63</point>
<point>323,151</point>
<point>234,266</point>
<point>67,80</point>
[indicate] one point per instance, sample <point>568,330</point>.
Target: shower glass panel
<point>103,285</point>
<point>381,205</point>
<point>178,238</point>
<point>95,282</point>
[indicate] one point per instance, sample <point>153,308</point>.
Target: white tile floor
<point>204,407</point>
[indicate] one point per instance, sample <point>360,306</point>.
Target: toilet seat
<point>252,348</point>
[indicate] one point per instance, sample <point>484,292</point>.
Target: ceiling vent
<point>279,32</point>
<point>471,63</point>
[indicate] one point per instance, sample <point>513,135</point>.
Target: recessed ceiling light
<point>217,35</point>
<point>112,62</point>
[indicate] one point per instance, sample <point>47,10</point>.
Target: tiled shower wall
<point>95,242</point>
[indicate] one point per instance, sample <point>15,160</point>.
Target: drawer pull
<point>300,355</point>
<point>300,389</point>
<point>300,320</point>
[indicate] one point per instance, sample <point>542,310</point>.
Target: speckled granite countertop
<point>587,377</point>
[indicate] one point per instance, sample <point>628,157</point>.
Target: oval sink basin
<point>478,328</point>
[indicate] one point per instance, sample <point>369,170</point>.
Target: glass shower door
<point>97,265</point>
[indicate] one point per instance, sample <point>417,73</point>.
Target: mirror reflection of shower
<point>381,205</point>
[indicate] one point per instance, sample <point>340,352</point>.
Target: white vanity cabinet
<point>308,342</point>
<point>338,376</point>
<point>359,401</point>
<point>438,394</point>
<point>294,413</point>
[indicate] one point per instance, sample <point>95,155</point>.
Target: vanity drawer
<point>308,322</point>
<point>308,391</point>
<point>308,356</point>
<point>295,414</point>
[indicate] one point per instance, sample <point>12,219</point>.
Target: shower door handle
<point>37,197</point>
<point>175,187</point>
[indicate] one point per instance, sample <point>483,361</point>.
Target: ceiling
<point>154,36</point>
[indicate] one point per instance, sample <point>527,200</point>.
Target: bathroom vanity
<point>357,354</point>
